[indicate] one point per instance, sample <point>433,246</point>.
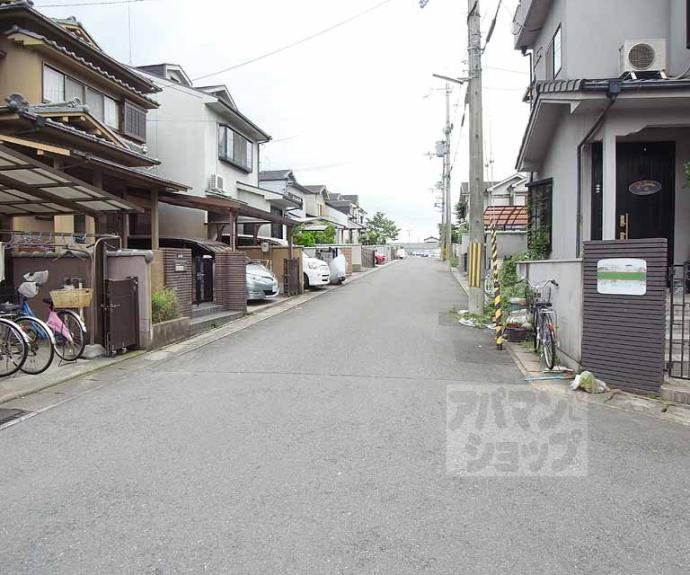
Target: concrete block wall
<point>178,272</point>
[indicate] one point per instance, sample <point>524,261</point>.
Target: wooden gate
<point>121,314</point>
<point>624,310</point>
<point>291,279</point>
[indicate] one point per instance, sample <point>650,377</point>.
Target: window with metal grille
<point>135,122</point>
<point>539,208</point>
<point>277,229</point>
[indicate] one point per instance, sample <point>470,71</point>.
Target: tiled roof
<point>74,56</point>
<point>271,175</point>
<point>506,217</point>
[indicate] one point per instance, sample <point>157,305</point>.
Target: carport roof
<point>29,187</point>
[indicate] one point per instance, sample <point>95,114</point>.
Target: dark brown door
<point>203,279</point>
<point>645,194</point>
<point>121,314</point>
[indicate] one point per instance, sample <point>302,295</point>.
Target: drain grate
<point>7,415</point>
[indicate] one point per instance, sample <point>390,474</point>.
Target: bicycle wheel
<point>13,348</point>
<point>536,330</point>
<point>549,345</point>
<point>70,340</point>
<point>41,344</point>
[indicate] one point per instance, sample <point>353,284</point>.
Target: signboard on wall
<point>622,276</point>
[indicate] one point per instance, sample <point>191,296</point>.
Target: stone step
<point>677,391</point>
<point>206,309</point>
<point>213,320</point>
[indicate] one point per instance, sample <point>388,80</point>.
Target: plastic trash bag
<point>28,289</point>
<point>39,278</point>
<point>587,382</point>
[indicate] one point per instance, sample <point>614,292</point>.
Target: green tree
<point>379,230</point>
<point>461,210</point>
<point>308,238</point>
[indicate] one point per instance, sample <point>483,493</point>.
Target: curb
<point>196,342</point>
<point>615,399</point>
<point>90,370</point>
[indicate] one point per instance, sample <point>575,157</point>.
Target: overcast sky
<point>356,108</point>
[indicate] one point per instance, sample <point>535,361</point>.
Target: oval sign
<point>645,187</point>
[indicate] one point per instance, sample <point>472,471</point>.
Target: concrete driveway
<point>315,442</point>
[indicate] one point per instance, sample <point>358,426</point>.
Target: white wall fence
<point>566,300</point>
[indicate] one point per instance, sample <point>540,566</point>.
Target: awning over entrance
<point>220,204</point>
<point>29,187</point>
<point>506,217</point>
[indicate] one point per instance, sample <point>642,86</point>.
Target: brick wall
<point>347,252</point>
<point>230,280</point>
<point>178,271</point>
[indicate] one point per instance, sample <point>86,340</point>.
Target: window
<point>135,122</point>
<point>276,229</point>
<point>94,100</point>
<point>557,53</point>
<point>74,89</point>
<point>53,85</point>
<point>235,148</point>
<point>111,113</point>
<point>539,210</point>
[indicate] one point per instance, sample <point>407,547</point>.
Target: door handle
<point>624,226</point>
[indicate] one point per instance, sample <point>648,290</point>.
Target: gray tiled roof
<point>272,175</point>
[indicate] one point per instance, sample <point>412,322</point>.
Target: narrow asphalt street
<point>315,442</point>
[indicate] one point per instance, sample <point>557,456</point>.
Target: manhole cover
<point>10,414</point>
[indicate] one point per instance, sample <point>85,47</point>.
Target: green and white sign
<point>622,276</point>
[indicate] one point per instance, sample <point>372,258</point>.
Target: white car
<point>316,272</point>
<point>401,254</point>
<point>261,282</point>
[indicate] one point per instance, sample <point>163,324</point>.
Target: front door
<point>645,191</point>
<point>203,279</point>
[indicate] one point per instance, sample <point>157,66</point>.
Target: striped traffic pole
<point>475,262</point>
<point>498,315</point>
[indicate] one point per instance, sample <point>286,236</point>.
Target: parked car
<point>401,254</point>
<point>380,259</point>
<point>261,282</point>
<point>316,272</point>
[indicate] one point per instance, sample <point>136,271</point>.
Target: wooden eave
<point>86,122</point>
<point>40,45</point>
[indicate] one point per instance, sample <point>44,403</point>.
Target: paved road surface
<point>314,442</point>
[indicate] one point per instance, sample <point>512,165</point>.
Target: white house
<point>203,139</point>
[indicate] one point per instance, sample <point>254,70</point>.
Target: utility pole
<point>477,237</point>
<point>447,230</point>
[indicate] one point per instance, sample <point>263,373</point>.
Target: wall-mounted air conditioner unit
<point>216,184</point>
<point>643,56</point>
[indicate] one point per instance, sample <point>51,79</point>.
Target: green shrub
<point>164,305</point>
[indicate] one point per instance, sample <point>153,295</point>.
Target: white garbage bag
<point>338,267</point>
<point>28,289</point>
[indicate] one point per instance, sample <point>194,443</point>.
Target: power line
<point>297,42</point>
<point>88,3</point>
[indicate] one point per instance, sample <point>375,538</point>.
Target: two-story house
<point>609,102</point>
<point>221,159</point>
<point>608,137</point>
<point>73,156</point>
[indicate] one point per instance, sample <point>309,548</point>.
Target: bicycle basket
<point>71,298</point>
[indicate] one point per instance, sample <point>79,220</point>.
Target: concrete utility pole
<point>476,300</point>
<point>447,230</point>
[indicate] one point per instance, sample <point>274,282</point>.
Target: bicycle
<point>13,347</point>
<point>65,329</point>
<point>544,320</point>
<point>39,338</point>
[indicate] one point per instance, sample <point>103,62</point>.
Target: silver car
<point>261,282</point>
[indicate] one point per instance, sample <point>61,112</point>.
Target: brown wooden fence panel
<point>368,257</point>
<point>623,334</point>
<point>231,280</point>
<point>291,277</point>
<point>177,266</point>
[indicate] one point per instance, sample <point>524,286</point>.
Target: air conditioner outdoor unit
<point>643,56</point>
<point>216,183</point>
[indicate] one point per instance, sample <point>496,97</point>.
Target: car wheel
<point>306,281</point>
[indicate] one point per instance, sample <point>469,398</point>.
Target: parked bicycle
<point>544,320</point>
<point>63,333</point>
<point>13,347</point>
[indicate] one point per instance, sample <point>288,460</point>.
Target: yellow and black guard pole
<point>498,315</point>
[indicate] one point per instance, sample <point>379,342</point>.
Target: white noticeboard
<point>622,276</point>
